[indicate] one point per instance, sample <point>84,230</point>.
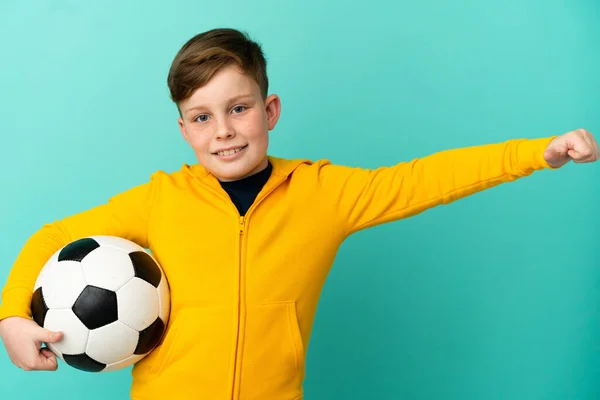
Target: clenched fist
<point>578,146</point>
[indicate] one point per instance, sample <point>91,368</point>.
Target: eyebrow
<point>231,100</point>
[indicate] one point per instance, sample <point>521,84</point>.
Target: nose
<point>225,130</point>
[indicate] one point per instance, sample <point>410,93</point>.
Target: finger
<point>589,138</point>
<point>574,154</point>
<point>48,336</point>
<point>46,352</point>
<point>581,156</point>
<point>34,360</point>
<point>591,150</point>
<point>586,146</point>
<point>46,362</point>
<point>41,362</point>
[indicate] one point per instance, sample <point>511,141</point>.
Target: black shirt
<point>244,191</point>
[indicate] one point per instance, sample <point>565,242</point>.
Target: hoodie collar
<point>282,168</point>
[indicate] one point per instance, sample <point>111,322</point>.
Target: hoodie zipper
<point>241,292</point>
<point>242,227</point>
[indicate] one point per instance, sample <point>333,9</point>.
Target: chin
<point>232,174</point>
<point>235,170</point>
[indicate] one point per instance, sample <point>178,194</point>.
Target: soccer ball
<point>108,296</point>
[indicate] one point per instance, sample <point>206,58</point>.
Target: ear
<point>182,129</point>
<point>273,110</point>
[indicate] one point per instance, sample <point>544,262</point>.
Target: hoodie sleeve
<point>362,198</point>
<point>125,215</point>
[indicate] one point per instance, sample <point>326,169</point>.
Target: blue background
<point>492,297</point>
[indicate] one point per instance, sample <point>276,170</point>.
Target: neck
<point>258,169</point>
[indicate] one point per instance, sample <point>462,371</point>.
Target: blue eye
<point>239,109</point>
<point>201,118</point>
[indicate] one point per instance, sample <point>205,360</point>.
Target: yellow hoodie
<point>244,290</point>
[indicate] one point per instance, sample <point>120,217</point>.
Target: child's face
<point>227,123</point>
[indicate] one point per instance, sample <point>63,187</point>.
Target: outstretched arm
<point>361,198</point>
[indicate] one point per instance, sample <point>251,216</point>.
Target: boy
<point>246,239</point>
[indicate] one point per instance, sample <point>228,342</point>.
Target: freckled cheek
<point>251,127</point>
<point>200,143</point>
<point>256,132</point>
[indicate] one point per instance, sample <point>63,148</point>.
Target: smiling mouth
<point>230,151</point>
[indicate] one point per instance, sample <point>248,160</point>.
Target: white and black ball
<point>108,296</point>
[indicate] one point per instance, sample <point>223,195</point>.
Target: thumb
<point>48,336</point>
<point>573,153</point>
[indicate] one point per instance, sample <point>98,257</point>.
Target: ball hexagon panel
<point>96,307</point>
<point>62,283</point>
<point>138,304</point>
<point>75,334</point>
<point>112,343</point>
<point>107,268</point>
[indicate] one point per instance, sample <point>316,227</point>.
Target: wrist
<point>3,324</point>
